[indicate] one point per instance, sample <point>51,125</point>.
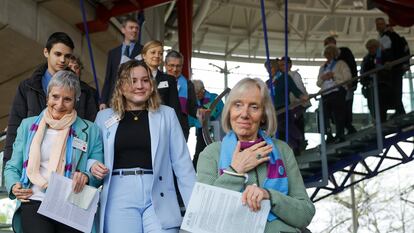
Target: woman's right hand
<point>246,160</point>
<point>99,170</point>
<point>327,76</point>
<point>21,193</point>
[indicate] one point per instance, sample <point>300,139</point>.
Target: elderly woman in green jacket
<point>55,141</point>
<point>248,160</point>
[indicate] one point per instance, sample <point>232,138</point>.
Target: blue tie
<point>126,52</point>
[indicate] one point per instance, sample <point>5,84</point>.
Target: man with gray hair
<point>186,93</point>
<point>391,45</point>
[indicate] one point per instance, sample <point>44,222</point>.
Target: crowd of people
<point>136,149</point>
<point>337,87</point>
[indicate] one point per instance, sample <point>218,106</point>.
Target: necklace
<point>136,115</point>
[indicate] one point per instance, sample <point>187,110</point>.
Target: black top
<point>133,141</point>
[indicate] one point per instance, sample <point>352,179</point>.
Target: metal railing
<point>378,126</point>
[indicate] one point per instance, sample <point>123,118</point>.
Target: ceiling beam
<point>249,33</point>
<point>291,26</point>
<point>272,35</point>
<point>323,3</point>
<point>346,27</point>
<point>314,62</point>
<point>230,28</point>
<point>201,14</point>
<point>353,26</point>
<point>300,9</point>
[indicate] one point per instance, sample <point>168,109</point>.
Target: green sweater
<point>294,210</point>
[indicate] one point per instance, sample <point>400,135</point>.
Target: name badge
<point>114,119</point>
<point>80,144</point>
<point>163,84</point>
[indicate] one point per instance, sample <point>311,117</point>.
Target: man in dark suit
<point>129,49</point>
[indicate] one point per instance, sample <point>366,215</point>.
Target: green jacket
<point>294,210</point>
<point>85,130</point>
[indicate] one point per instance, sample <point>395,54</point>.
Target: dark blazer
<point>191,106</point>
<point>167,89</point>
<point>112,65</point>
<point>347,56</point>
<point>30,100</point>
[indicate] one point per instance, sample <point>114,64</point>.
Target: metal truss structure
<point>398,149</point>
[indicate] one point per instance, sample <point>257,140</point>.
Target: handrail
<point>378,126</point>
<point>366,74</point>
<point>206,134</point>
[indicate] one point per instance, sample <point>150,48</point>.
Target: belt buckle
<point>139,172</point>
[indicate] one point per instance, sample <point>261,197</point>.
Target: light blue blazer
<point>84,130</point>
<point>169,152</point>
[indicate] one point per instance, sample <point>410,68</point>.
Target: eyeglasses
<point>174,66</point>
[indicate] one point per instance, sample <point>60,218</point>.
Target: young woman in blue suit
<point>143,145</point>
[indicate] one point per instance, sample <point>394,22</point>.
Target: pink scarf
<point>57,159</point>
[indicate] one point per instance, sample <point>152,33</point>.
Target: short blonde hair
<point>331,50</point>
<point>151,44</point>
<point>118,101</point>
<point>269,124</point>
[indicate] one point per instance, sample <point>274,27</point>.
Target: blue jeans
<point>129,207</point>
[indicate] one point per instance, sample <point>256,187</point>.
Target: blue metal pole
<point>85,26</point>
<point>272,91</point>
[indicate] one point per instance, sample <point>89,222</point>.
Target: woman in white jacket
<point>331,73</point>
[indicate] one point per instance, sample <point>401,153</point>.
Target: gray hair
<point>65,79</point>
<point>269,124</point>
<point>198,85</point>
<point>173,54</point>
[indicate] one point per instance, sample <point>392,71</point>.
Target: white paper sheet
<point>217,210</point>
<point>56,206</point>
<point>83,199</point>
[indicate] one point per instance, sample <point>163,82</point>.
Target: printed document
<point>217,210</point>
<point>56,205</point>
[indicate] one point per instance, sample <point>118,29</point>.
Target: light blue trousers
<point>129,207</point>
